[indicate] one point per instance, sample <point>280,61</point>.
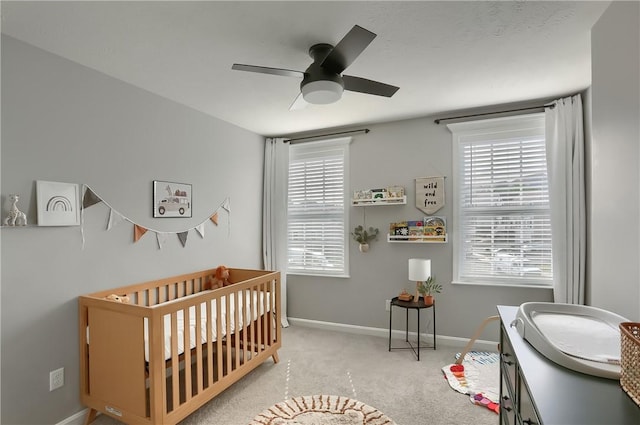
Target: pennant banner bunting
<point>183,238</point>
<point>114,218</point>
<point>227,205</point>
<point>90,198</point>
<point>161,238</point>
<point>138,232</point>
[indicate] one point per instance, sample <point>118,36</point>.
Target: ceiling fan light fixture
<point>322,92</point>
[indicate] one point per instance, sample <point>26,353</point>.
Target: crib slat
<point>157,368</point>
<point>219,358</point>
<point>227,333</point>
<point>209,344</point>
<point>175,362</point>
<point>252,326</point>
<point>187,354</point>
<point>234,336</point>
<point>198,341</point>
<point>259,327</point>
<point>162,294</point>
<point>246,319</point>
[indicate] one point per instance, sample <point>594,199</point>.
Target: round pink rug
<point>321,409</point>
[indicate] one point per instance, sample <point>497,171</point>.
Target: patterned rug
<point>478,376</point>
<point>321,410</point>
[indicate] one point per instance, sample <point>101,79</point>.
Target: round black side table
<point>417,306</point>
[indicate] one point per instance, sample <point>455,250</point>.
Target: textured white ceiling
<point>444,56</point>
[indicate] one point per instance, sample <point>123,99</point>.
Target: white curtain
<point>565,165</point>
<point>274,218</point>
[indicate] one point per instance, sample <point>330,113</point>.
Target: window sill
<point>504,285</point>
<point>341,276</point>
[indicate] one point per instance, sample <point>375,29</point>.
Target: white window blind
<point>317,235</point>
<point>503,225</point>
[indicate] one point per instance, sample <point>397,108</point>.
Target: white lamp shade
<point>419,269</point>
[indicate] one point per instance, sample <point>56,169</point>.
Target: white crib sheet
<point>258,310</point>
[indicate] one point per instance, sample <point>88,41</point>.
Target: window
<point>502,225</point>
<point>317,214</point>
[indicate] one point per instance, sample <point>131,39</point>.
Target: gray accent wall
<point>614,206</point>
<point>65,122</point>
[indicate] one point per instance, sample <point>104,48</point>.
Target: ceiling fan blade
<point>267,70</point>
<point>348,49</point>
<point>363,85</point>
<point>298,103</point>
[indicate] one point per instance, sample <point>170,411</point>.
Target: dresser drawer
<point>527,411</point>
<point>507,360</point>
<point>507,411</point>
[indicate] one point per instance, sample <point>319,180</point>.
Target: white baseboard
<point>449,341</point>
<point>77,419</point>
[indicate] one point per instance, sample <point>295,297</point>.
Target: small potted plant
<point>428,288</point>
<point>363,236</point>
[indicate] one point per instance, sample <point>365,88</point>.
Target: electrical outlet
<point>56,379</point>
<point>387,305</point>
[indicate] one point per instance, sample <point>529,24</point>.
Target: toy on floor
<point>478,378</point>
<point>481,400</point>
<point>220,279</point>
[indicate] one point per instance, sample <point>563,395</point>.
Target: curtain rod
<point>551,106</point>
<point>362,130</point>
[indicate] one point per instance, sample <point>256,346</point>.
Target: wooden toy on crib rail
<point>220,279</point>
<point>118,298</point>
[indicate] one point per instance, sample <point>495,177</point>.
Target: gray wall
<point>614,207</point>
<point>64,122</point>
<point>395,154</point>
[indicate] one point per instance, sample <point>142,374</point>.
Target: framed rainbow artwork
<point>58,203</point>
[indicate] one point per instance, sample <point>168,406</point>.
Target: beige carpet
<point>322,409</point>
<point>360,367</point>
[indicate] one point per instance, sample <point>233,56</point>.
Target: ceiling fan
<point>323,82</point>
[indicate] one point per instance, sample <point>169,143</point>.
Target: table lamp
<point>420,271</point>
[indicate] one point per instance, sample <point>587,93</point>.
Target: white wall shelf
<point>416,239</point>
<point>378,201</point>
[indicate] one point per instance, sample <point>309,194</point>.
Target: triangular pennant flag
<point>138,232</point>
<point>214,218</point>
<point>227,205</point>
<point>90,198</point>
<point>114,218</point>
<point>200,229</point>
<point>183,238</point>
<point>161,238</point>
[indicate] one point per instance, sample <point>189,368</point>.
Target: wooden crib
<point>158,358</point>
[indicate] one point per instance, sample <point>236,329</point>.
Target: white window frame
<point>499,129</point>
<point>325,267</point>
